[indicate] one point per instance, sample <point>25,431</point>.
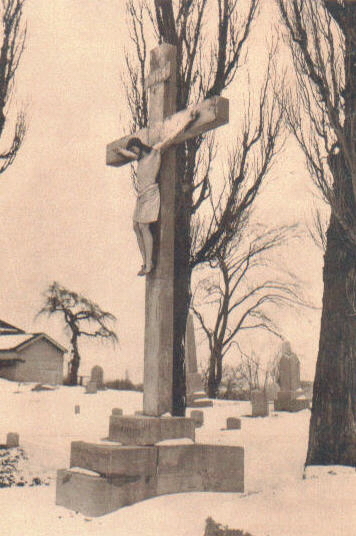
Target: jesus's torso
<point>147,170</point>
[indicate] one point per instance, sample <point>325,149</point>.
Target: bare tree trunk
<point>218,370</point>
<point>332,434</point>
<point>332,437</point>
<point>212,376</point>
<point>75,361</point>
<point>182,275</point>
<point>215,372</point>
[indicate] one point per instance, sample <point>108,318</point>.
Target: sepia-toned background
<point>66,216</point>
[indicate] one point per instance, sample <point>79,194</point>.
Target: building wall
<point>43,363</point>
<point>8,372</point>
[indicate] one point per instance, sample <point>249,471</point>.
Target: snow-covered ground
<point>277,501</point>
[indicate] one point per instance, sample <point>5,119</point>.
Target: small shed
<point>30,357</point>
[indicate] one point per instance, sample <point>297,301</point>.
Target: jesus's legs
<point>141,245</point>
<point>145,244</point>
<point>148,245</point>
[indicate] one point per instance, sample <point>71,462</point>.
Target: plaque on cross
<point>159,312</point>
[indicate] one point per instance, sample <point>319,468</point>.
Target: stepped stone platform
<point>106,476</point>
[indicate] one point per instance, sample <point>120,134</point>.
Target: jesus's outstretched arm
<point>163,145</point>
<point>127,154</point>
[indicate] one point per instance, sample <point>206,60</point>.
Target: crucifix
<point>159,304</point>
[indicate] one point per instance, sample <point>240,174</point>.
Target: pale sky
<point>66,216</point>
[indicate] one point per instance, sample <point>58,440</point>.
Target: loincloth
<point>147,205</point>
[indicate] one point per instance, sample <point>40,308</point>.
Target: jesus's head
<point>136,146</point>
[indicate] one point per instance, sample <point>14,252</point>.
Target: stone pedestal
<point>290,401</point>
<point>104,478</point>
<point>142,430</point>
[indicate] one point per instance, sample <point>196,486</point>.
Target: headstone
<point>118,479</point>
<point>289,369</point>
<point>233,423</point>
<point>272,391</point>
<point>259,402</point>
<point>12,440</point>
<point>77,409</point>
<point>290,397</point>
<point>91,388</point>
<point>198,417</point>
<point>97,375</point>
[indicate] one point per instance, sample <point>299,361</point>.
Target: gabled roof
<point>8,329</point>
<point>18,342</point>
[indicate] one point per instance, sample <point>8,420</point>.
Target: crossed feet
<point>145,269</point>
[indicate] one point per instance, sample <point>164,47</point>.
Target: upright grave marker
<point>195,394</point>
<point>159,323</point>
<point>290,397</point>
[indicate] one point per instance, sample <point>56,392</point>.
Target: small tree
<point>81,317</point>
<point>238,301</point>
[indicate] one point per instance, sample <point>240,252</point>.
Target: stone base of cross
<point>159,324</point>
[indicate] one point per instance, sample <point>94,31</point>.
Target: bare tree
<point>322,38</point>
<point>81,316</point>
<point>209,55</point>
<point>318,229</point>
<point>239,300</point>
<point>252,371</point>
<point>12,47</point>
<point>233,384</point>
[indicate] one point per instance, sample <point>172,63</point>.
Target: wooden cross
<point>159,328</point>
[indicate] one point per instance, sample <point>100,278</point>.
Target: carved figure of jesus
<point>148,196</point>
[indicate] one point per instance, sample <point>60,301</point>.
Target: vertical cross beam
<point>159,305</point>
<point>158,357</point>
